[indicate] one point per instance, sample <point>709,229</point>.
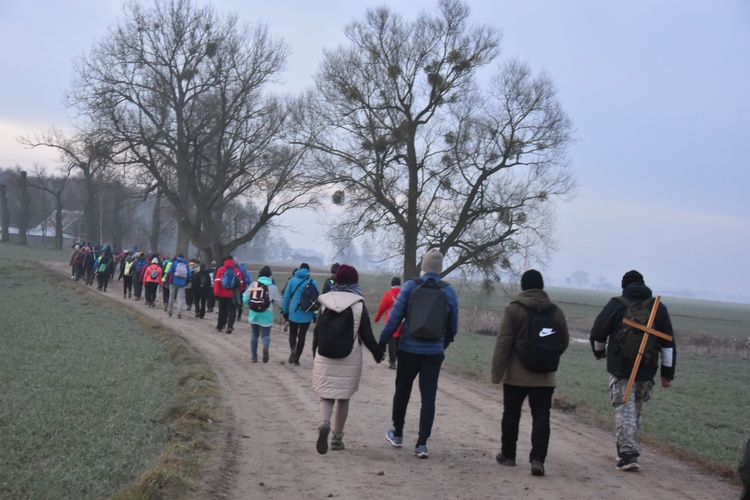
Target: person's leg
<point>293,329</point>
<point>265,333</point>
<point>406,372</point>
<point>231,312</point>
<point>180,299</point>
<point>392,348</point>
<point>301,334</point>
<point>339,419</point>
<point>255,329</point>
<point>189,298</point>
<point>222,316</point>
<point>324,428</point>
<point>171,301</point>
<point>202,299</point>
<point>626,426</point>
<point>513,397</point>
<point>540,402</point>
<point>429,372</point>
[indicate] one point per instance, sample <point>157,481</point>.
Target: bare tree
<point>5,237</point>
<point>423,155</point>
<point>55,186</point>
<point>181,91</point>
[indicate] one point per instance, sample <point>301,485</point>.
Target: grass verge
<point>94,398</point>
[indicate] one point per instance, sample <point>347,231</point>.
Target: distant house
<point>44,233</point>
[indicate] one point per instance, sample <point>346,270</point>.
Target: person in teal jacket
<point>261,321</point>
<point>299,319</point>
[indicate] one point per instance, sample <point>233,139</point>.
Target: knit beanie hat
<point>432,261</point>
<point>346,275</point>
<point>631,277</point>
<point>304,265</point>
<point>396,281</point>
<point>335,267</point>
<point>532,279</point>
<point>265,271</point>
<point>154,260</point>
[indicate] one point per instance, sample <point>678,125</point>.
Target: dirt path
<point>274,416</point>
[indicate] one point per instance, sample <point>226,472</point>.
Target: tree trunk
<point>23,220</point>
<point>5,237</point>
<point>155,223</point>
<point>116,225</point>
<point>58,220</point>
<point>90,210</point>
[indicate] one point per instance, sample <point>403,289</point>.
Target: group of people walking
<point>421,321</point>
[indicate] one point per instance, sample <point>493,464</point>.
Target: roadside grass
<point>96,401</point>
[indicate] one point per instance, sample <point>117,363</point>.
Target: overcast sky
<point>658,90</point>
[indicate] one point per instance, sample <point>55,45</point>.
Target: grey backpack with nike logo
<point>542,342</point>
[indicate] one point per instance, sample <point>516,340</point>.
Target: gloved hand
<point>600,354</point>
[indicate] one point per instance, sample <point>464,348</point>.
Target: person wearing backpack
<point>202,286</point>
<point>152,281</point>
<point>246,280</point>
<point>166,267</point>
<point>386,304</point>
<point>225,288</point>
<point>343,325</point>
<point>179,275</point>
<point>520,363</point>
<point>299,318</point>
<point>259,298</point>
<point>140,266</point>
<point>607,342</point>
<point>127,270</point>
<point>420,356</point>
<point>103,270</point>
<point>329,282</point>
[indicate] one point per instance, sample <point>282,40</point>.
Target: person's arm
<point>397,314</point>
<point>604,325</point>
<point>503,346</point>
<point>365,333</point>
<point>667,348</point>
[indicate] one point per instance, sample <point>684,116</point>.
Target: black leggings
<point>297,334</point>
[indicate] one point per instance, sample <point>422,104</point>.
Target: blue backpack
<point>229,280</point>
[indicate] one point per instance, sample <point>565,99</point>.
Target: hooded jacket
<point>608,323</point>
<point>220,291</point>
<point>339,378</point>
<point>262,318</point>
<point>386,304</point>
<point>506,366</point>
<point>293,295</point>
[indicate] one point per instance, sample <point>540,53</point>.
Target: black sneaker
<point>628,463</point>
<point>265,354</point>
<point>322,445</point>
<point>503,460</point>
<point>229,330</point>
<point>537,468</point>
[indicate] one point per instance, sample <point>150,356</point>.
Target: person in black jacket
<point>605,344</point>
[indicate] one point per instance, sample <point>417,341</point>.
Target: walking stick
<point>647,330</point>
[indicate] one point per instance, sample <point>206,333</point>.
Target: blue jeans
<point>427,366</point>
<point>259,331</point>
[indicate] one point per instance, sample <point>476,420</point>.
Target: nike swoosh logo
<point>546,332</point>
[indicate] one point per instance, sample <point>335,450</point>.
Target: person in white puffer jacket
<point>336,379</point>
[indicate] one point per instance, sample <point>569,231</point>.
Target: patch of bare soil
<point>272,428</point>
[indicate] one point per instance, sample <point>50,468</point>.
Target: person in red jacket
<point>389,298</point>
<point>227,297</point>
<point>151,281</point>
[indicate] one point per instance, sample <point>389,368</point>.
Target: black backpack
<point>542,342</point>
<point>335,332</point>
<point>427,311</point>
<point>309,299</point>
<point>629,338</point>
<point>259,300</point>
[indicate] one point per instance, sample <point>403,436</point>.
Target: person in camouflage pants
<point>605,344</point>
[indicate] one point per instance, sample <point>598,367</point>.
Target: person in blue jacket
<point>419,357</point>
<point>299,319</point>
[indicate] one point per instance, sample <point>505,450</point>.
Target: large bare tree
<point>422,151</point>
<point>183,92</point>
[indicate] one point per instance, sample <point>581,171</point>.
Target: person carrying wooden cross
<point>612,339</point>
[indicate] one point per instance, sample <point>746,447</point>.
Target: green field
<point>83,379</point>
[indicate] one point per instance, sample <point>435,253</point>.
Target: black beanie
<point>532,279</point>
<point>396,281</point>
<point>335,267</point>
<point>304,265</point>
<point>631,277</point>
<point>265,271</point>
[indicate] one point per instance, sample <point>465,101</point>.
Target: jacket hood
<point>637,292</point>
<point>229,263</point>
<point>338,301</point>
<point>535,298</point>
<point>302,273</point>
<point>265,280</point>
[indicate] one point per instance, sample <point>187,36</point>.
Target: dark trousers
<point>297,335</point>
<point>393,348</point>
<point>151,288</point>
<point>540,402</point>
<point>102,280</point>
<point>189,297</point>
<point>165,295</point>
<point>127,285</point>
<point>427,366</point>
<point>200,304</point>
<point>226,313</point>
<point>137,287</point>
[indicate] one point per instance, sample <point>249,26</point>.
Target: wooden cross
<point>647,330</point>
